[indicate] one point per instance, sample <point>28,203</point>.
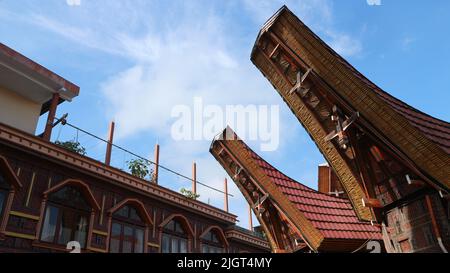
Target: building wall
<point>18,112</point>
<point>37,175</point>
<point>410,226</point>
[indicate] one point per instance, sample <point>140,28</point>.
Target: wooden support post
<point>109,144</point>
<point>156,173</point>
<point>434,223</point>
<point>250,217</point>
<point>226,194</point>
<point>194,178</point>
<point>51,117</point>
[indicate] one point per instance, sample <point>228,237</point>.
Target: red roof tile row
<point>333,216</point>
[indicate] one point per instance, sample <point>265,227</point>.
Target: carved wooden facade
<point>392,160</point>
<point>33,170</point>
<point>293,216</point>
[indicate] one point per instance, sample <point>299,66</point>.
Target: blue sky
<point>134,60</point>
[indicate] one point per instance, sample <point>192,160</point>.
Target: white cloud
<point>73,2</point>
<point>185,53</point>
<point>345,44</point>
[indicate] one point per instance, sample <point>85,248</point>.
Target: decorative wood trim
<point>29,143</point>
<point>184,221</point>
<point>235,234</point>
<point>30,189</point>
<point>135,203</point>
<point>20,235</point>
<point>94,249</point>
<point>79,184</point>
<point>235,148</point>
<point>24,215</point>
<point>351,85</point>
<point>217,228</point>
<point>313,126</point>
<point>219,157</point>
<point>153,245</point>
<point>100,232</point>
<point>12,177</point>
<point>102,209</point>
<point>45,245</point>
<point>90,230</point>
<point>187,227</point>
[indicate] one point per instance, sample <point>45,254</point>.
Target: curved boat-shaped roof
<point>324,221</point>
<point>420,141</point>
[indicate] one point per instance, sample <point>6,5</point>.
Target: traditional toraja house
<point>50,196</point>
<point>391,159</point>
<point>294,217</point>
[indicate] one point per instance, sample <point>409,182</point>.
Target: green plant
<point>139,168</point>
<point>72,145</point>
<point>189,194</point>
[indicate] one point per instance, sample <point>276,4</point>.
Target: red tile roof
<point>434,129</point>
<point>333,216</point>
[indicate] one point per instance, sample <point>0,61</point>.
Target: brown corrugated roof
<point>422,141</point>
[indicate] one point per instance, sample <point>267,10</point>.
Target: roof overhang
<point>31,80</point>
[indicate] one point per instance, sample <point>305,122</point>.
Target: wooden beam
<point>274,51</point>
<point>51,117</point>
<point>298,87</point>
<point>156,173</point>
<point>194,178</point>
<point>226,195</point>
<point>434,223</point>
<point>371,203</point>
<point>109,143</point>
<point>250,217</point>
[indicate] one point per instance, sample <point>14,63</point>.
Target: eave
<point>33,145</point>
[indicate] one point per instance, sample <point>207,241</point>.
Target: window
<point>66,217</point>
<point>174,238</point>
<point>127,231</point>
<point>211,243</point>
<point>4,188</point>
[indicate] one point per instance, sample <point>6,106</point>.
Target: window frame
<point>209,244</point>
<point>74,215</point>
<point>175,236</point>
<point>129,222</point>
<point>121,238</point>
